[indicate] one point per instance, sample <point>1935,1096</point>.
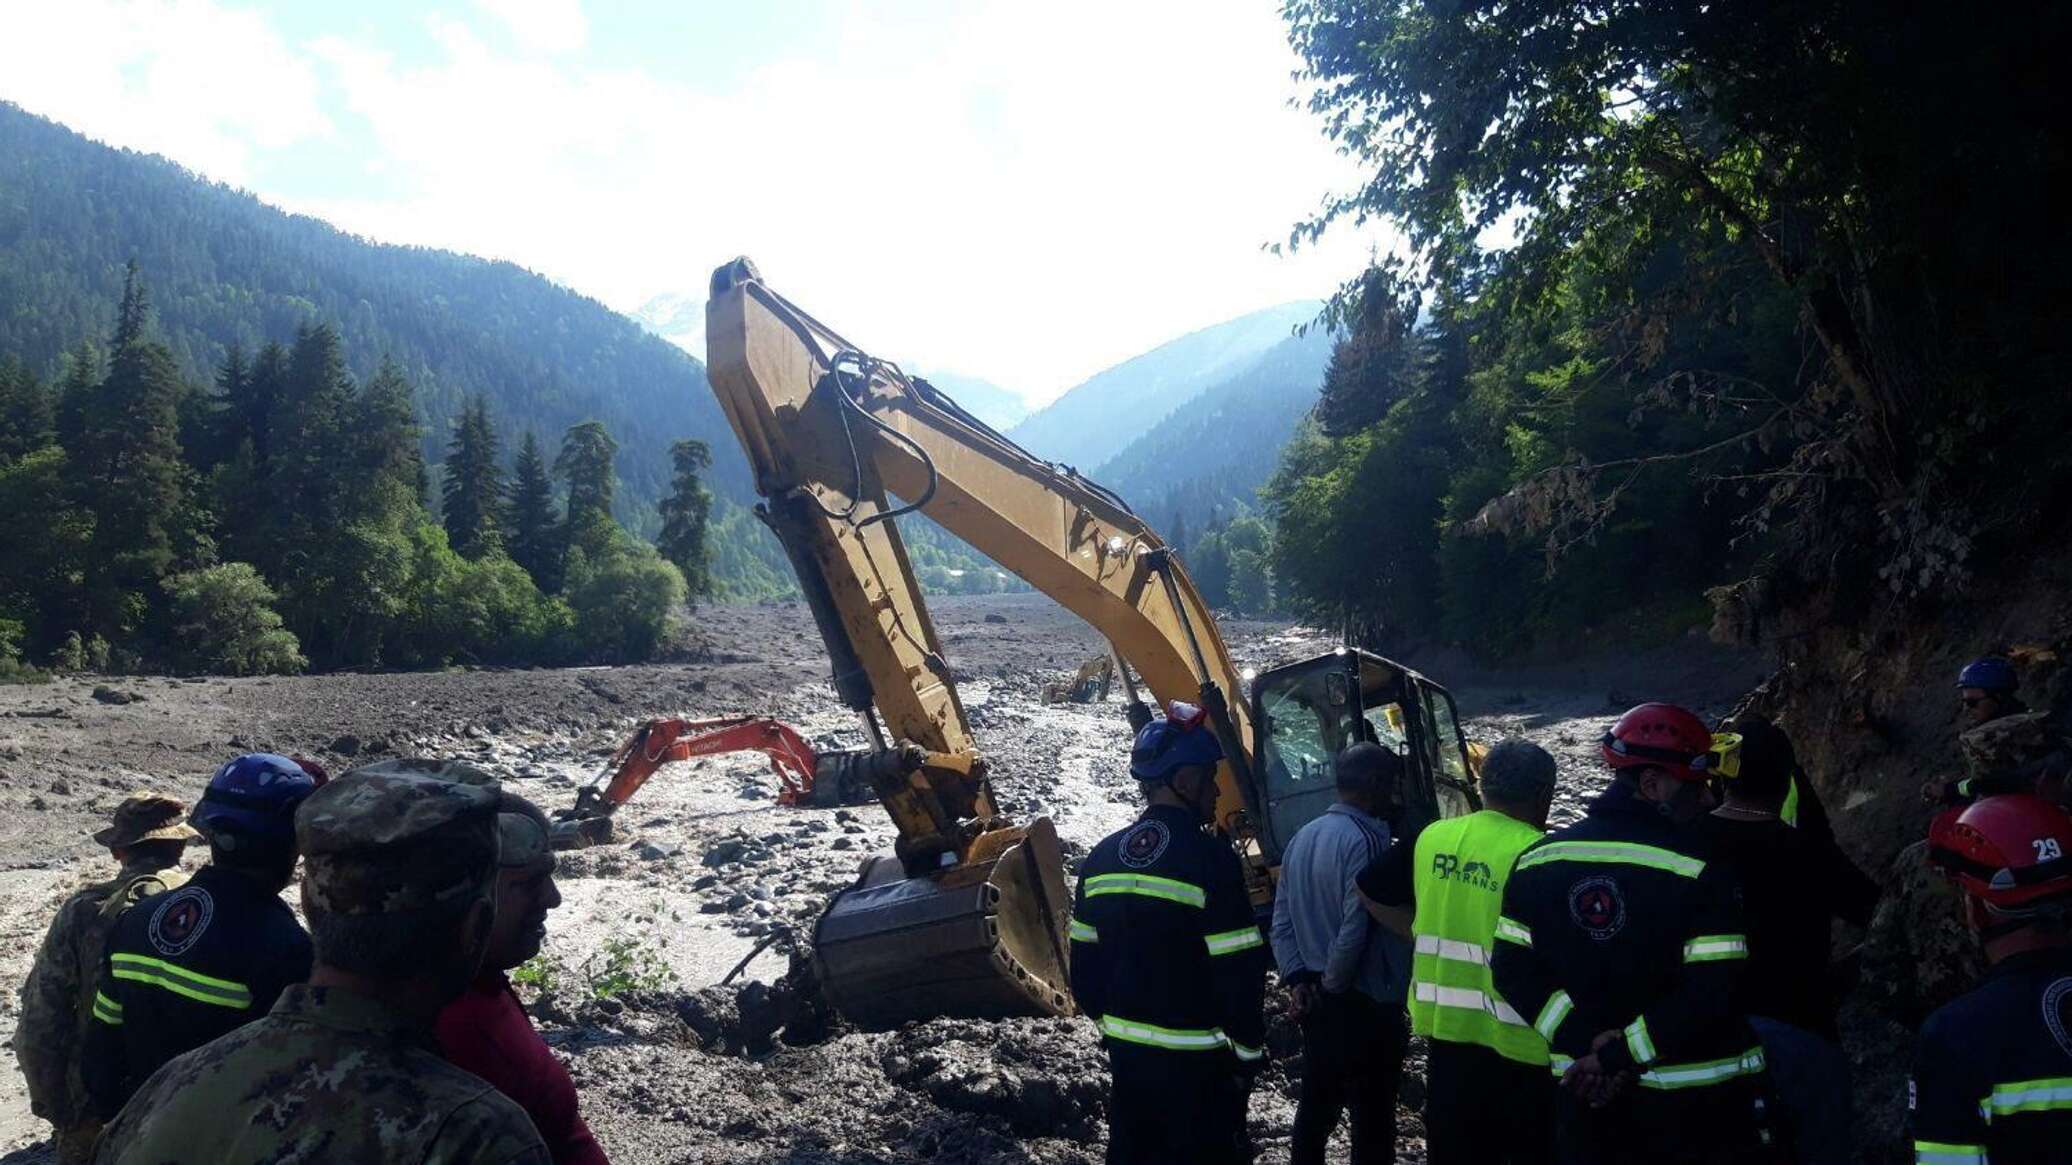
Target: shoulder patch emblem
<point>179,922</point>
<point>1144,843</point>
<point>2054,1008</point>
<point>1597,906</point>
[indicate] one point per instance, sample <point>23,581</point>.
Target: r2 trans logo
<point>1449,867</point>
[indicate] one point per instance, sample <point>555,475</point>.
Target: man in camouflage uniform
<point>147,835</point>
<point>1919,954</point>
<point>399,875</point>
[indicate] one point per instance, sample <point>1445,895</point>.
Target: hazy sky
<point>1027,192</point>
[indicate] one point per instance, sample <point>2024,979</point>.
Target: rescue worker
<point>1793,885</point>
<point>1986,694</point>
<point>1168,962</point>
<point>1986,690</point>
<point>1624,949</point>
<point>1993,1070</point>
<point>1920,954</point>
<point>1479,1047</point>
<point>486,1030</point>
<point>1349,976</point>
<point>146,836</point>
<point>399,887</point>
<point>194,963</point>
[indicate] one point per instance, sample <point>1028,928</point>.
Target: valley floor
<point>706,865</point>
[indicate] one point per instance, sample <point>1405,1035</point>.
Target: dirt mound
<point>942,1091</point>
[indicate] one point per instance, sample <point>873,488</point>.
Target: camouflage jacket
<point>57,997</point>
<point>326,1076</point>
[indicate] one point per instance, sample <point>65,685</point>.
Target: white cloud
<point>554,26</point>
<point>1030,192</point>
<point>205,85</point>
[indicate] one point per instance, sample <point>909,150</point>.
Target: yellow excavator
<point>968,916</point>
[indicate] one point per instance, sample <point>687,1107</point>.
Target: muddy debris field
<point>706,871</point>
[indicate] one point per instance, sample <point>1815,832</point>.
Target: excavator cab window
<point>1454,785</point>
<point>1307,714</point>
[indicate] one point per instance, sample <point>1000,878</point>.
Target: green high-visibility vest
<point>1462,864</point>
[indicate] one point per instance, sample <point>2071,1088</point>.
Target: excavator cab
<point>1305,713</point>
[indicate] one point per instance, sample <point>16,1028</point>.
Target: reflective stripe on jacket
<point>1993,1070</point>
<point>1612,924</point>
<point>181,969</point>
<point>1165,953</point>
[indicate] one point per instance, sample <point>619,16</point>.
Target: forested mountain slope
<point>1095,420</point>
<point>985,400</point>
<point>225,268</point>
<point>1208,457</point>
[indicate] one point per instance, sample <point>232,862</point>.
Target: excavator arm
<point>969,916</point>
<point>798,766</point>
<point>830,433</point>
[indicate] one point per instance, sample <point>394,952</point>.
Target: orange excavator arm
<point>805,775</point>
<point>666,741</point>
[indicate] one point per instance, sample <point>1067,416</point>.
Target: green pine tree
<point>387,448</point>
<point>258,407</point>
<point>127,471</point>
<point>28,418</point>
<point>585,463</point>
<point>530,525</point>
<point>78,387</point>
<point>306,452</point>
<point>472,483</point>
<point>687,515</point>
<point>204,411</point>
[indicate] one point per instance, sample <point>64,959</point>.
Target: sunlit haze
<point>1027,193</point>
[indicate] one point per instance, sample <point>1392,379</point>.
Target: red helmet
<point>1664,736</point>
<point>2013,850</point>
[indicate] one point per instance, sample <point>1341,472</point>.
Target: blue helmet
<point>250,802</point>
<point>1992,674</point>
<point>1166,746</point>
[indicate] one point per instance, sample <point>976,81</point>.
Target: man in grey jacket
<point>1348,975</point>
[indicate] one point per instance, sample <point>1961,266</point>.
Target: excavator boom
<point>830,432</point>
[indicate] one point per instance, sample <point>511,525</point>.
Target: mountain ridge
<point>226,268</point>
<point>1207,458</point>
<point>1095,419</point>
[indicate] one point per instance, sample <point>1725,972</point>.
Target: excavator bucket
<point>982,940</point>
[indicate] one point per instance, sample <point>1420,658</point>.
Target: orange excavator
<point>806,776</point>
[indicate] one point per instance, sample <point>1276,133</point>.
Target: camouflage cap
<point>525,840</point>
<point>147,816</point>
<point>522,828</point>
<point>459,772</point>
<point>2007,743</point>
<point>380,842</point>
